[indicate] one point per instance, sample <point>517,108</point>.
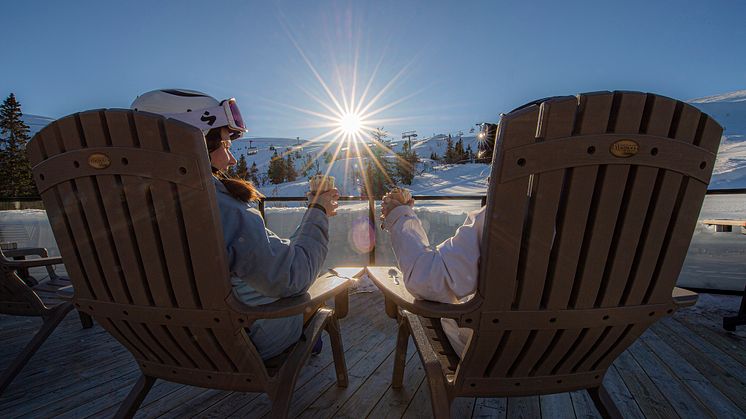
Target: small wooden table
<point>726,225</point>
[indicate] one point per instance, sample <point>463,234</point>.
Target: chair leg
<point>335,337</point>
<point>50,323</point>
<point>130,405</point>
<point>281,399</point>
<point>605,405</point>
<point>85,320</point>
<point>400,358</point>
<point>439,400</point>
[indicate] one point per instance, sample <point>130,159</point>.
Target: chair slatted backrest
<point>133,209</point>
<point>593,202</point>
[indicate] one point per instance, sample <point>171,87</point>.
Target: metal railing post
<point>373,232</point>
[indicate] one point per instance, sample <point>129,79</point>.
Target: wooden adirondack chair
<point>48,300</point>
<point>133,208</point>
<point>592,204</point>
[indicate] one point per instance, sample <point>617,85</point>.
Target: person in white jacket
<point>445,273</point>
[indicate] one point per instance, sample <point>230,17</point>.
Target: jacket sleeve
<point>445,273</point>
<point>273,266</point>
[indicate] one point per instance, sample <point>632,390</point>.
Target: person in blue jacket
<point>263,266</point>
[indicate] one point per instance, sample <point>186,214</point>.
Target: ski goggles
<point>226,114</point>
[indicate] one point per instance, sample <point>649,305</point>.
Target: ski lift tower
<point>407,135</point>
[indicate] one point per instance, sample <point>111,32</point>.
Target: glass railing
<point>355,234</point>
<point>716,260</point>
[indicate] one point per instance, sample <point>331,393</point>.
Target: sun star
<point>351,123</point>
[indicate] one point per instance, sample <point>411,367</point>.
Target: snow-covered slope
<point>36,122</point>
<point>433,179</point>
<point>729,109</point>
<point>437,144</point>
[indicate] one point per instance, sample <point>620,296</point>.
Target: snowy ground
<point>729,110</point>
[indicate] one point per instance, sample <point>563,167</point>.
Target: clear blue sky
<point>458,62</point>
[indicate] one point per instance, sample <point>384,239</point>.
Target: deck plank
<point>333,398</point>
<point>462,407</point>
<point>707,347</point>
<point>619,391</point>
<point>394,402</point>
<point>496,408</point>
<point>524,407</point>
<point>557,406</point>
<point>689,376</point>
<point>649,398</point>
<point>684,366</point>
<point>374,388</point>
<point>682,400</point>
<point>583,405</point>
<point>708,324</point>
<point>420,406</point>
<point>719,375</point>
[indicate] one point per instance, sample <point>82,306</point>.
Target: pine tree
<point>378,169</point>
<point>316,167</point>
<point>242,169</point>
<point>276,170</point>
<point>290,173</point>
<point>15,171</point>
<point>254,174</point>
<point>406,163</point>
<point>459,155</point>
<point>449,156</point>
<point>307,165</point>
<point>434,156</point>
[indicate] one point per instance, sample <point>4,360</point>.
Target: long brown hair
<point>240,189</point>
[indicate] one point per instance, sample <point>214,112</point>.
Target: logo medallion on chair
<point>99,161</point>
<point>624,148</point>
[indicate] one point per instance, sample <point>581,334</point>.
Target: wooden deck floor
<point>684,366</point>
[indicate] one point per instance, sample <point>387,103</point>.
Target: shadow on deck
<point>683,366</point>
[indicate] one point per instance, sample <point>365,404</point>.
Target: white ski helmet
<point>195,108</point>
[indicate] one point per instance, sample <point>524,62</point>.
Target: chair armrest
<point>324,288</point>
<point>32,263</point>
<point>684,298</point>
<point>397,296</point>
<point>27,251</point>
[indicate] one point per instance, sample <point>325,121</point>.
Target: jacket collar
<point>219,185</point>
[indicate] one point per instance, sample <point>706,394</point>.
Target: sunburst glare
<point>351,124</point>
<point>351,114</point>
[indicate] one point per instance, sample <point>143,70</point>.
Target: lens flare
<point>351,124</point>
<point>352,113</point>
